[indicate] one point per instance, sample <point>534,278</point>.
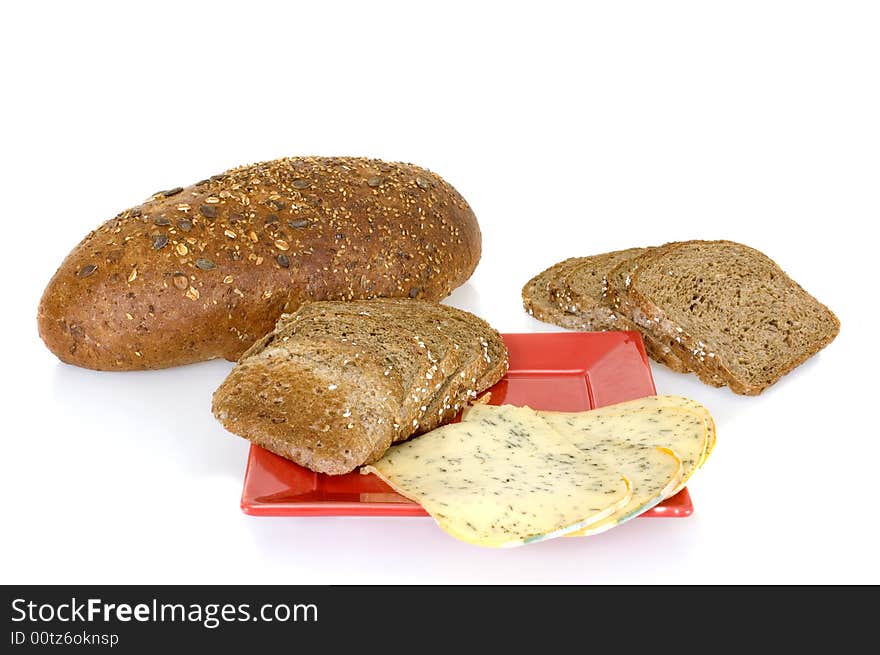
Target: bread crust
<point>204,271</point>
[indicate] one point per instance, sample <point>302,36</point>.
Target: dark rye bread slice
<point>582,289</point>
<point>320,403</point>
<point>545,305</point>
<point>444,340</point>
<point>732,309</point>
<point>617,286</point>
<point>539,304</point>
<point>485,363</point>
<point>429,329</point>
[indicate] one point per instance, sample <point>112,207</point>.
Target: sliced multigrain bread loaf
<point>731,310</point>
<point>481,350</point>
<point>582,306</point>
<point>297,391</point>
<point>402,352</point>
<point>321,403</point>
<point>440,337</point>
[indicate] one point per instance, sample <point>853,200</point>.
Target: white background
<point>572,129</point>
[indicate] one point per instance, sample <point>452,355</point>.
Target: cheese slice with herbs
<point>657,421</point>
<point>682,431</point>
<point>629,441</point>
<point>654,473</point>
<point>655,402</point>
<point>504,479</point>
<point>647,404</point>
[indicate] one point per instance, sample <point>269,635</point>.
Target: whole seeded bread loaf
<point>548,298</point>
<point>204,271</point>
<point>733,313</point>
<point>336,383</point>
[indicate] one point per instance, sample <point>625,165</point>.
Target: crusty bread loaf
<point>733,313</point>
<point>337,382</point>
<point>204,271</point>
<point>582,305</point>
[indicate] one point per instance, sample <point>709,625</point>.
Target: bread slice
<point>617,287</point>
<point>440,336</point>
<point>580,287</point>
<point>582,306</point>
<point>733,313</point>
<point>485,363</point>
<point>337,382</point>
<point>401,351</point>
<point>482,353</point>
<point>538,302</point>
<point>318,402</point>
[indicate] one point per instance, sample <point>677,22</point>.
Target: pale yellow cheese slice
<point>682,431</point>
<point>657,421</point>
<point>655,402</point>
<point>654,473</point>
<point>504,480</point>
<point>685,403</point>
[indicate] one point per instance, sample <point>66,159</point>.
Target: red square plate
<point>564,371</point>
